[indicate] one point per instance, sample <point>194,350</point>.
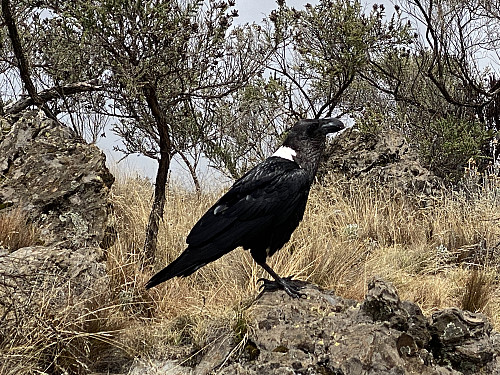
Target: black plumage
<point>261,210</point>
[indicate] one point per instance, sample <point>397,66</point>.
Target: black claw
<point>291,287</point>
<point>263,281</point>
<point>294,292</point>
<point>268,285</point>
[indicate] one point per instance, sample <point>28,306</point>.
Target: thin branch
<point>297,84</point>
<point>192,171</point>
<point>21,59</point>
<point>51,94</point>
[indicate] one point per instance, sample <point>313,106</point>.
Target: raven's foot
<point>290,286</point>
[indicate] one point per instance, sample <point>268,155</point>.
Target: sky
<point>249,11</point>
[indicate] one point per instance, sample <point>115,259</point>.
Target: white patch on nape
<point>285,153</point>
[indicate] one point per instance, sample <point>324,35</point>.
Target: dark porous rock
<point>464,340</point>
<point>383,159</point>
<point>57,180</point>
<point>51,275</point>
<point>418,325</point>
<point>382,303</point>
<point>325,334</point>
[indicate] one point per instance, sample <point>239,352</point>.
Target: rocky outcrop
<point>326,334</point>
<point>47,299</point>
<point>60,185</point>
<point>53,276</point>
<point>383,159</point>
<point>57,180</point>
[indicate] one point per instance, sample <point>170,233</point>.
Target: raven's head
<point>329,125</point>
<point>308,131</point>
<point>305,141</point>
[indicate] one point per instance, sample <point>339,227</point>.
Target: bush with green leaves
<point>447,144</point>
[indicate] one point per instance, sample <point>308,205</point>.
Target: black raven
<point>262,208</point>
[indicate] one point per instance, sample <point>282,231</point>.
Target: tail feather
<point>188,262</point>
<point>179,267</point>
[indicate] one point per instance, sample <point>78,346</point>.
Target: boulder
<point>48,300</point>
<point>57,180</point>
<point>463,340</point>
<point>327,334</point>
<point>384,159</point>
<point>57,277</point>
<point>49,292</point>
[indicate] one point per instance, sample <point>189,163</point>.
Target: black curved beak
<point>331,125</point>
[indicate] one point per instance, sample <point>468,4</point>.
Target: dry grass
<point>15,231</point>
<point>439,254</point>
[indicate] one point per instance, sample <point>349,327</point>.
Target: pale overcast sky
<point>255,10</point>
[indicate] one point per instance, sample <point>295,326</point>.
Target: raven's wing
<point>271,190</point>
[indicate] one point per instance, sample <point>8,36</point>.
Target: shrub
<point>446,145</point>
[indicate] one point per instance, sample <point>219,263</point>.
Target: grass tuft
<point>15,230</point>
<point>477,290</point>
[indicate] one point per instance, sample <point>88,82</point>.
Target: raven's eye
<point>311,129</point>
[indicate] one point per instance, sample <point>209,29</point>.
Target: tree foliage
<point>443,87</point>
<point>322,49</point>
<point>33,75</point>
<point>317,54</point>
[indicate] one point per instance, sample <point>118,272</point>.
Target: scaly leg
<point>287,284</point>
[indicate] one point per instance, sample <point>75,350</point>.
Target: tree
<point>444,93</point>
<point>162,65</point>
<point>22,72</point>
<point>321,50</point>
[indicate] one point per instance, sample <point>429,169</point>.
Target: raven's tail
<point>188,262</point>
<point>182,266</point>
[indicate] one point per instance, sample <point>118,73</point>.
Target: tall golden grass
<point>439,252</point>
<point>15,230</point>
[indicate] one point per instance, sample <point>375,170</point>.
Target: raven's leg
<point>287,284</point>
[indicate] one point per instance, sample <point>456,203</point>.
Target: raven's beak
<point>331,125</point>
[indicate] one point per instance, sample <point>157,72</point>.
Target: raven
<point>261,210</point>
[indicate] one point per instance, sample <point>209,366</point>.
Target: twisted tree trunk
<point>149,252</point>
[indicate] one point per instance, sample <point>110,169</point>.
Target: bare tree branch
<point>51,94</point>
<point>22,62</point>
